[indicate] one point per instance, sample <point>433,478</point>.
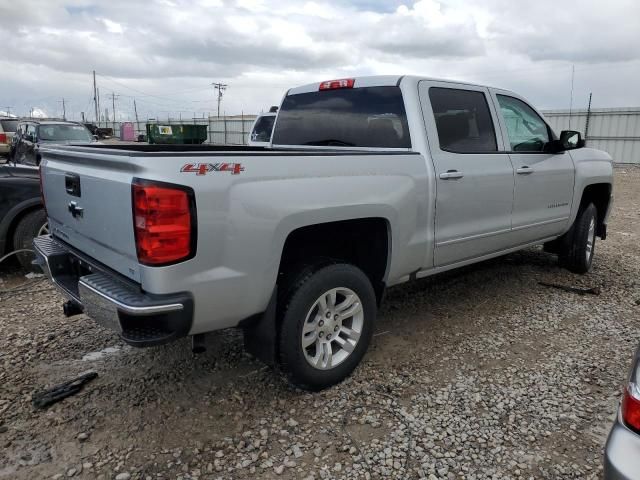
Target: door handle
<point>451,175</point>
<point>524,170</point>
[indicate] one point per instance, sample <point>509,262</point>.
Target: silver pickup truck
<point>367,183</point>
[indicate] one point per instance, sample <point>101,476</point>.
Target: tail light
<point>631,398</point>
<point>164,217</point>
<point>337,84</point>
<point>3,138</point>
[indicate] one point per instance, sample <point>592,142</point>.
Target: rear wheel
<point>578,253</point>
<point>33,224</point>
<point>326,325</point>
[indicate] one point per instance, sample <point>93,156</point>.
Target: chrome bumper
<point>141,319</point>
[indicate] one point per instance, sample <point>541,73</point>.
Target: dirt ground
<point>479,373</point>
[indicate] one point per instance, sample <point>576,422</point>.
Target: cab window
<point>463,120</point>
<point>527,131</point>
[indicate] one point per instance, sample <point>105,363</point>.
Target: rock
<point>297,453</point>
<point>292,423</point>
<point>123,476</point>
<point>82,436</point>
<point>279,469</point>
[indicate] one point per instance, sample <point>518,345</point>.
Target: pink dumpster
<point>127,132</point>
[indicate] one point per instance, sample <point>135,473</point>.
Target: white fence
<point>614,130</point>
<point>223,130</point>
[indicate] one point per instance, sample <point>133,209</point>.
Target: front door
<point>544,181</point>
<point>474,179</point>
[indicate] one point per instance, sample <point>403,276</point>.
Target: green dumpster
<point>176,134</point>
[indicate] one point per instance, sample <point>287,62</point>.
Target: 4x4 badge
<point>204,168</point>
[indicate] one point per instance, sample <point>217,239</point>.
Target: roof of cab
<point>380,81</point>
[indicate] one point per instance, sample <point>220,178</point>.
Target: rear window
<point>62,132</point>
<point>9,125</point>
<point>349,117</point>
<point>262,130</point>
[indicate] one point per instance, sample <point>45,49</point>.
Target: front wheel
<point>578,255</point>
<point>326,325</point>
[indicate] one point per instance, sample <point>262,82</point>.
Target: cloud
<point>261,47</point>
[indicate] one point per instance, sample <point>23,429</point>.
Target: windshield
<point>63,133</point>
<point>262,129</point>
<point>348,117</point>
<point>9,125</point>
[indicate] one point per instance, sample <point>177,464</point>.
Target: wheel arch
<point>364,242</point>
<point>600,195</point>
<point>11,220</point>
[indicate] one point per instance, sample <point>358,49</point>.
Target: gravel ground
<point>480,373</point>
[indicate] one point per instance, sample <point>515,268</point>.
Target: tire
<point>29,227</point>
<point>578,254</point>
<point>331,356</point>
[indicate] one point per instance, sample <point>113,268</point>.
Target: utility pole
<point>113,105</point>
<point>82,114</point>
<point>8,110</point>
<point>135,109</point>
<point>220,87</point>
<point>95,97</point>
<point>64,110</point>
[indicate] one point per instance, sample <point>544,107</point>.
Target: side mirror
<point>570,139</point>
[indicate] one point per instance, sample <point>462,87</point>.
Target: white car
<point>7,129</point>
<point>260,135</point>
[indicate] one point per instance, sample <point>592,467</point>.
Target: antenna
<point>573,73</point>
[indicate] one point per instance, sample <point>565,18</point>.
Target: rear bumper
<point>141,319</point>
<point>4,148</point>
<point>622,453</point>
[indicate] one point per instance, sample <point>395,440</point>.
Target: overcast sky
<point>166,53</point>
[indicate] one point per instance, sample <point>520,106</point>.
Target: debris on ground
<point>570,289</point>
<point>53,395</point>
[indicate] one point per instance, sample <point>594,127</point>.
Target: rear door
<point>544,181</point>
<point>474,190</point>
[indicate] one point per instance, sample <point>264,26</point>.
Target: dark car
<point>31,134</point>
<point>22,216</point>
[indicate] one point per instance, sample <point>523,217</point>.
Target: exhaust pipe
<point>197,343</point>
<point>71,308</point>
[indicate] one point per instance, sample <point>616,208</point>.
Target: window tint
<point>527,131</point>
<point>58,132</point>
<point>31,131</point>
<point>463,120</point>
<point>348,117</point>
<point>262,130</point>
<point>9,125</point>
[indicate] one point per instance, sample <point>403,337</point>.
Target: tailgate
<point>88,202</point>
